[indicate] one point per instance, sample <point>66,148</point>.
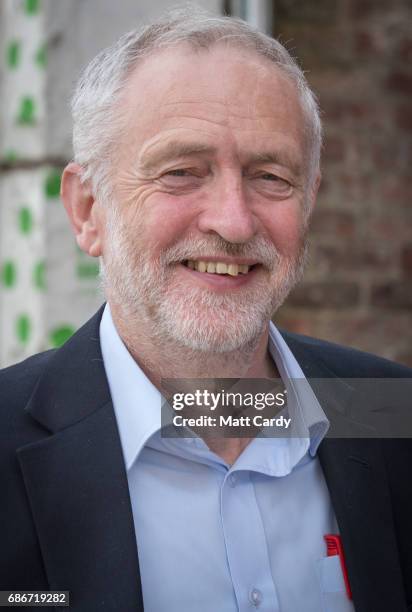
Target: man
<point>196,169</point>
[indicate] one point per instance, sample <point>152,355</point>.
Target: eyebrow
<point>173,150</point>
<point>281,158</point>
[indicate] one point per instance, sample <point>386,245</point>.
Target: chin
<point>213,330</point>
<point>212,341</point>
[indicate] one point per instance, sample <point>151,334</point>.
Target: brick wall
<point>358,286</point>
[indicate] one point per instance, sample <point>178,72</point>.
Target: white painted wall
<point>48,287</point>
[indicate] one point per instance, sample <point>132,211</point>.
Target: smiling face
<point>204,238</point>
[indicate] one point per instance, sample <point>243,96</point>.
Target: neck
<point>172,360</point>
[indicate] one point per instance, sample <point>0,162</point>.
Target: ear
<point>82,209</point>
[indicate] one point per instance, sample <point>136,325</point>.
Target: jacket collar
<point>74,385</point>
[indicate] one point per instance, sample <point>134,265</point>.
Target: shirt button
<point>232,480</point>
<point>256,597</point>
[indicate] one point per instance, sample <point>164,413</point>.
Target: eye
<point>181,179</point>
<point>272,185</point>
<point>178,172</point>
<point>267,176</point>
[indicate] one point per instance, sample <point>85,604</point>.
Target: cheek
<point>284,229</point>
<point>167,219</point>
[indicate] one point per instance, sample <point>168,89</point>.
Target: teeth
<point>218,268</point>
<point>221,268</point>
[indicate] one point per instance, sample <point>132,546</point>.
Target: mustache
<point>259,249</point>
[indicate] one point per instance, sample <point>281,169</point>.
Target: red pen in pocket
<point>334,547</point>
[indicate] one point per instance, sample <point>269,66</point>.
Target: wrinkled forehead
<point>224,92</point>
<point>223,73</point>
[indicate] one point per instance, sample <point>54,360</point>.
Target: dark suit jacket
<point>65,515</point>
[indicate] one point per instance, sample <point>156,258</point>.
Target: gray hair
<point>96,118</point>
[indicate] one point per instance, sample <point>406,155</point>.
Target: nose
<point>228,212</point>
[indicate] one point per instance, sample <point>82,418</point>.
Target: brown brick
<point>406,260</point>
<point>334,149</point>
<point>359,110</point>
<point>333,110</point>
<point>367,44</point>
<point>361,9</point>
<point>339,109</point>
<point>323,11</point>
<point>405,51</point>
<point>325,295</point>
<point>396,191</point>
<point>385,153</point>
<point>335,222</point>
<point>364,183</point>
<point>400,82</point>
<point>396,294</point>
<point>388,227</point>
<point>339,258</point>
<point>403,117</point>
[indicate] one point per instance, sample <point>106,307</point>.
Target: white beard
<point>149,292</point>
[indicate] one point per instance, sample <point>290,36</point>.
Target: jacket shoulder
<point>343,360</point>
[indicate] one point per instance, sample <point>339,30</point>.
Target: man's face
<point>204,238</point>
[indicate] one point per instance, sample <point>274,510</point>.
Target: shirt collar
<point>137,402</point>
<point>309,416</point>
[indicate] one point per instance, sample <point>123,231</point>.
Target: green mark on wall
<point>89,269</point>
<point>59,335</point>
<point>13,53</point>
<point>25,220</point>
<point>23,328</point>
<point>8,274</point>
<point>52,184</point>
<point>39,275</point>
<point>10,157</point>
<point>41,56</point>
<point>27,111</point>
<point>31,6</point>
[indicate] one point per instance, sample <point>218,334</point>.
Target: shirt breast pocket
<point>332,586</point>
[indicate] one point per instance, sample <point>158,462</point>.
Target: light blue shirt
<point>221,538</point>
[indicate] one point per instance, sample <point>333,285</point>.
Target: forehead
<point>220,92</point>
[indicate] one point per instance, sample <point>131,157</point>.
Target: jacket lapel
<point>356,478</point>
<point>77,485</point>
